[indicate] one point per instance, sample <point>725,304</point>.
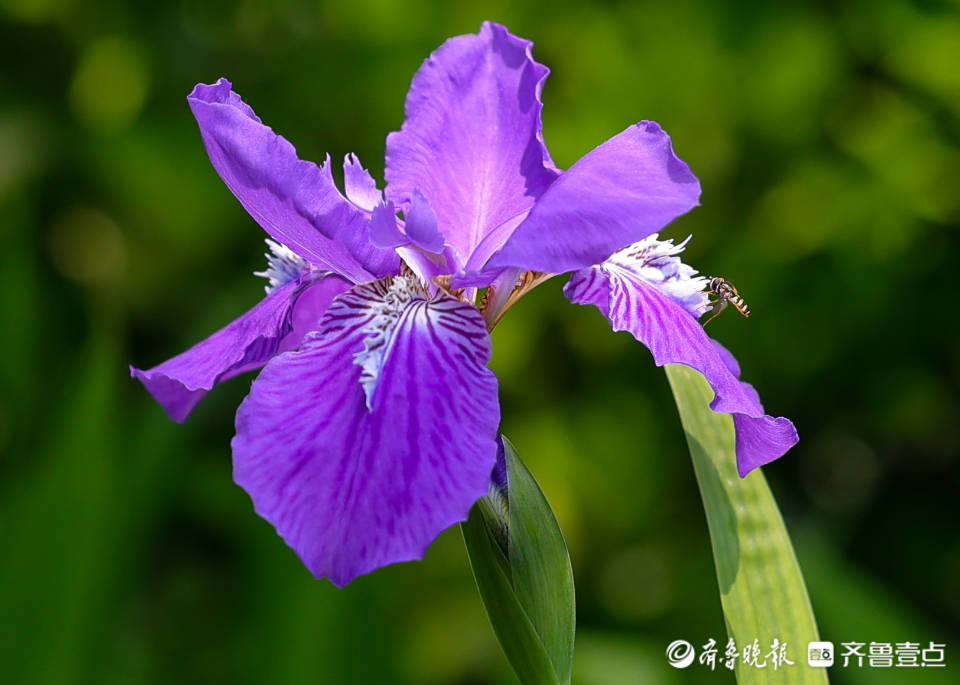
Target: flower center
<point>504,292</point>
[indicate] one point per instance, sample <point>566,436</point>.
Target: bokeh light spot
<point>87,247</point>
<point>110,84</point>
<point>635,585</point>
<point>33,10</point>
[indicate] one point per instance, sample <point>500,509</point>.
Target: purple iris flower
<point>372,426</point>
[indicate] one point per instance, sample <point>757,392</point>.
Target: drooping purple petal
<point>728,359</point>
<point>277,323</point>
<point>295,201</point>
<point>761,439</point>
<point>620,192</point>
<point>674,336</point>
<point>471,141</point>
<point>757,438</point>
<point>351,487</point>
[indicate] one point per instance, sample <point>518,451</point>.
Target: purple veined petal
<point>673,335</point>
<point>620,192</point>
<point>277,323</point>
<point>295,201</point>
<point>472,141</point>
<point>352,488</point>
<point>359,185</point>
<point>309,307</point>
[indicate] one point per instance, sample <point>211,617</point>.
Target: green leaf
<point>761,586</point>
<point>542,575</point>
<point>513,627</point>
<point>524,576</point>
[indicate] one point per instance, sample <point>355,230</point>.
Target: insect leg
<point>716,313</point>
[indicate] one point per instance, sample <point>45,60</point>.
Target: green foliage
<point>761,586</point>
<point>523,572</point>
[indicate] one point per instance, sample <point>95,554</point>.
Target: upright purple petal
<point>277,323</point>
<point>377,434</point>
<point>673,335</point>
<point>294,201</point>
<point>384,229</point>
<point>471,141</point>
<point>493,241</point>
<point>421,224</point>
<point>359,185</point>
<point>618,193</point>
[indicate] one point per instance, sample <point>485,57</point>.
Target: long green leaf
<point>524,576</point>
<point>761,587</point>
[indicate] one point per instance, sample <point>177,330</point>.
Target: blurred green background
<point>827,139</point>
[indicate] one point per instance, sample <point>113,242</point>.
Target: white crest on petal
<point>393,297</point>
<point>283,266</point>
<point>656,262</point>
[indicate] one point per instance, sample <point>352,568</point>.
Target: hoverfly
<point>725,293</point>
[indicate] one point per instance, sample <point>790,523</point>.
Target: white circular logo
<point>680,653</point>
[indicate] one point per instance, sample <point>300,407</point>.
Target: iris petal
<point>352,488</point>
<point>295,201</point>
<point>620,192</point>
<point>384,231</point>
<point>421,224</point>
<point>471,141</point>
<point>359,185</point>
<point>277,323</point>
<point>674,336</point>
